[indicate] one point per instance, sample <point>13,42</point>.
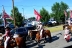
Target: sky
<point>30,5</point>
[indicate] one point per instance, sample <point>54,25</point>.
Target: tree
<point>63,7</point>
<point>45,15</point>
<point>0,15</point>
<point>58,10</point>
<point>52,15</point>
<point>68,12</point>
<point>18,16</point>
<point>1,19</point>
<point>31,18</point>
<point>23,18</point>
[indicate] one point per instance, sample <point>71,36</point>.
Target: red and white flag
<point>5,22</point>
<point>5,15</point>
<point>70,13</point>
<point>65,13</point>
<point>38,16</point>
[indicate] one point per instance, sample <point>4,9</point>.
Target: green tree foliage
<point>0,19</point>
<point>0,15</point>
<point>52,15</point>
<point>45,15</point>
<point>31,18</point>
<point>18,16</point>
<point>68,12</point>
<point>58,10</point>
<point>63,7</point>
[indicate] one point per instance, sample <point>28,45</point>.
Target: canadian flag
<point>38,16</point>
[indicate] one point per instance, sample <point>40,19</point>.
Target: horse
<point>32,34</point>
<point>65,26</point>
<point>15,42</point>
<point>11,43</point>
<point>44,34</point>
<point>20,41</point>
<point>1,46</point>
<point>70,28</point>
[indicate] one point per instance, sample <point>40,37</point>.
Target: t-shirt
<point>66,31</point>
<point>69,22</point>
<point>7,33</point>
<point>40,27</point>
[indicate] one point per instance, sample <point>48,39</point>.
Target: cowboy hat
<point>71,22</point>
<point>66,27</point>
<point>8,28</point>
<point>40,22</point>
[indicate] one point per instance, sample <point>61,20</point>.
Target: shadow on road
<point>54,38</point>
<point>32,44</point>
<point>40,46</point>
<point>70,39</point>
<point>59,34</point>
<point>68,46</point>
<point>28,42</point>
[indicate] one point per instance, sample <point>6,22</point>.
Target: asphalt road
<point>58,42</point>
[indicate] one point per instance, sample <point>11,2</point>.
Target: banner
<point>4,16</point>
<point>38,16</point>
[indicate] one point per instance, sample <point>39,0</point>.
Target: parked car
<point>20,30</point>
<point>11,26</point>
<point>2,29</point>
<point>29,26</point>
<point>34,23</point>
<point>52,22</point>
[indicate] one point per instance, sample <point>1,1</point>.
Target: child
<point>66,34</point>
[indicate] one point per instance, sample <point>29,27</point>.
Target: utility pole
<point>13,13</point>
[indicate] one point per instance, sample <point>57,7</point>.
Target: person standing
<point>66,34</point>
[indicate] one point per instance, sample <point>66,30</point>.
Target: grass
<point>55,28</point>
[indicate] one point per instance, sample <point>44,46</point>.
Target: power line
<point>26,6</point>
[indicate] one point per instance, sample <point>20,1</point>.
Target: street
<point>58,42</point>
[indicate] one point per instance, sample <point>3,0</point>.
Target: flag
<point>5,15</point>
<point>5,22</point>
<point>38,16</point>
<point>65,13</point>
<point>70,13</point>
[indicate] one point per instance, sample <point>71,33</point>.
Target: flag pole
<point>3,15</point>
<point>13,13</point>
<point>65,19</point>
<point>65,15</point>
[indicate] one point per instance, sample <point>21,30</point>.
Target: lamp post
<point>23,13</point>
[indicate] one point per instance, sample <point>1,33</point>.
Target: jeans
<point>6,42</point>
